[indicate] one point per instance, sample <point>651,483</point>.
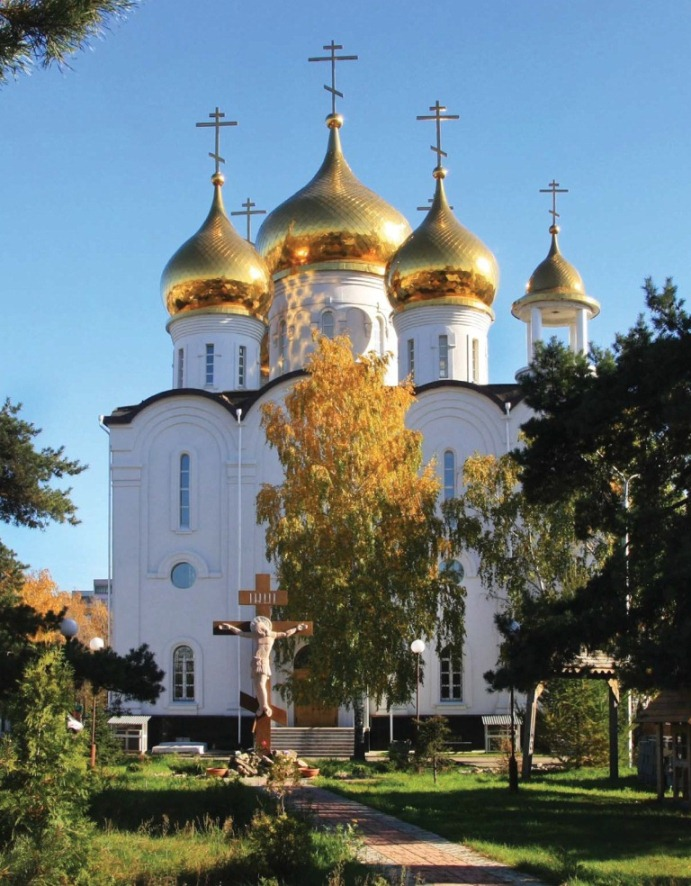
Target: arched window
<point>411,358</point>
<point>450,677</point>
<point>328,324</point>
<point>184,499</point>
<point>183,674</point>
<point>449,475</point>
<point>242,366</point>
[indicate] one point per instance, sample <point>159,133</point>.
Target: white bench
<point>179,747</point>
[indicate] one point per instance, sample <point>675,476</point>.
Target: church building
<point>187,463</point>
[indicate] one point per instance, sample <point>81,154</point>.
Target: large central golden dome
<point>442,262</point>
<point>217,270</point>
<point>333,222</point>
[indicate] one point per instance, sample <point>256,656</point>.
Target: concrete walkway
<point>397,848</point>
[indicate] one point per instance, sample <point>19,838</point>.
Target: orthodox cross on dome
<point>333,58</point>
<point>264,633</point>
<point>430,200</point>
<point>217,117</point>
<point>249,212</point>
<point>438,116</point>
<point>554,189</point>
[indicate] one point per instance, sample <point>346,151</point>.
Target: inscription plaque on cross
<point>264,633</point>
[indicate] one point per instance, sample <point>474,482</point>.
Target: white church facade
<point>188,462</point>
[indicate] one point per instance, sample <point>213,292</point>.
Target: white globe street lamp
<point>417,647</point>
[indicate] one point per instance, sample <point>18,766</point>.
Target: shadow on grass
<point>571,818</point>
<point>169,809</point>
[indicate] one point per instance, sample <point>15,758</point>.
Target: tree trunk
<point>359,730</point>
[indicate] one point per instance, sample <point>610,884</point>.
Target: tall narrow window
<point>181,367</point>
<point>209,364</point>
<point>184,502</point>
<point>282,344</point>
<point>475,364</point>
<point>450,677</point>
<point>443,356</point>
<point>449,474</point>
<point>328,324</point>
<point>183,674</point>
<point>411,358</point>
<point>242,366</point>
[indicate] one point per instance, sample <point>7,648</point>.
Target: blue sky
<point>105,175</point>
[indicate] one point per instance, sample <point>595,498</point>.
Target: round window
<point>183,575</point>
<point>454,567</point>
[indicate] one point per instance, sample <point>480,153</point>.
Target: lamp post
<point>417,647</point>
<point>513,630</point>
<point>94,645</point>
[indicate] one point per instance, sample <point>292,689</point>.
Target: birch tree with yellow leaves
<point>354,531</point>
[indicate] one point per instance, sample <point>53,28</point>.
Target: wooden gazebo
<point>671,708</point>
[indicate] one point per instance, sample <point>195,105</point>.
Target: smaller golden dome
<point>333,222</point>
<point>442,262</point>
<point>216,270</point>
<point>555,280</point>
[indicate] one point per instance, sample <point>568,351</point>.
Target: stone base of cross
<point>263,599</point>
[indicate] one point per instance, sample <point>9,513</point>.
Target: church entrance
<point>310,714</point>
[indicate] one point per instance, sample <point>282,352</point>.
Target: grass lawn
<point>565,827</point>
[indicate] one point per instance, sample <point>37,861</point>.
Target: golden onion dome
<point>216,270</point>
<point>442,262</point>
<point>555,280</point>
<point>333,222</point>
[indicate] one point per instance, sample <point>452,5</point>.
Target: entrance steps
<point>314,741</point>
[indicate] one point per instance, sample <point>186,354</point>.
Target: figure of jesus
<point>261,630</point>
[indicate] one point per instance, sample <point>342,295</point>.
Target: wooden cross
<point>249,212</point>
<point>554,189</point>
<point>263,599</point>
<point>217,117</point>
<point>439,116</point>
<point>333,58</point>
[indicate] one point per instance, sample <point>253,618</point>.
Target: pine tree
<point>47,32</point>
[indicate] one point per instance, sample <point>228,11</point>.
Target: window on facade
<point>328,324</point>
<point>181,367</point>
<point>411,358</point>
<point>475,360</point>
<point>183,575</point>
<point>450,677</point>
<point>184,501</point>
<point>282,343</point>
<point>183,674</point>
<point>443,356</point>
<point>209,364</point>
<point>449,474</point>
<point>242,366</point>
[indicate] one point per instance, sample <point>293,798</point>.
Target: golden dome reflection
<point>442,262</point>
<point>217,270</point>
<point>334,221</point>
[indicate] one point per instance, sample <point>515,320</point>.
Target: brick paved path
<point>394,846</point>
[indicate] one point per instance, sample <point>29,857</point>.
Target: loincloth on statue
<point>261,666</point>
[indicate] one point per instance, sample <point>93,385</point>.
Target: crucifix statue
<point>264,633</point>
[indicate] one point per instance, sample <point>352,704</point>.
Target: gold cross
<point>438,116</point>
<point>217,117</point>
<point>333,58</point>
<point>430,200</point>
<point>249,212</point>
<point>554,189</point>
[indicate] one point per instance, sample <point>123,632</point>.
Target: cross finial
<point>249,212</point>
<point>333,58</point>
<point>217,117</point>
<point>438,116</point>
<point>430,200</point>
<point>554,189</point>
